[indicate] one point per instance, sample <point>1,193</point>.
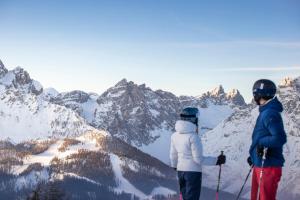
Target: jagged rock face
<point>217,92</point>
<point>74,96</point>
<point>72,100</point>
<point>236,98</point>
<point>219,97</point>
<point>36,88</point>
<point>131,111</point>
<point>135,113</point>
<point>21,77</point>
<point>152,109</point>
<point>23,108</point>
<point>289,93</point>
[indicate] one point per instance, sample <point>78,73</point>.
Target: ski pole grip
<point>265,153</point>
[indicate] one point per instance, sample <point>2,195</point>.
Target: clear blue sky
<point>186,47</point>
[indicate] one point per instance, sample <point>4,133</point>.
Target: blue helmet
<point>263,89</point>
<point>190,114</point>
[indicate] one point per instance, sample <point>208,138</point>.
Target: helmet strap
<point>257,100</point>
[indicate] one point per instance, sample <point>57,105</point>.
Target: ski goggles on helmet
<point>190,118</point>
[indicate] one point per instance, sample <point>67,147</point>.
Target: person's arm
<point>173,155</point>
<point>273,122</point>
<point>209,160</point>
<point>197,152</point>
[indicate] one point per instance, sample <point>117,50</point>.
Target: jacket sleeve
<point>197,152</point>
<point>173,155</point>
<point>273,122</point>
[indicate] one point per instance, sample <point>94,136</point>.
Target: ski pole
<point>261,171</point>
<point>219,179</point>
<point>244,183</point>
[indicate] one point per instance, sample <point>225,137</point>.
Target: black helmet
<point>263,89</point>
<point>190,114</point>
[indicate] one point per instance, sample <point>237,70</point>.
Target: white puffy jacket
<point>186,149</point>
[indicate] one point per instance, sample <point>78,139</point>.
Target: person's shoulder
<point>175,134</point>
<point>272,116</point>
<point>269,113</point>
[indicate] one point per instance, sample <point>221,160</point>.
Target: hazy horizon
<point>184,48</point>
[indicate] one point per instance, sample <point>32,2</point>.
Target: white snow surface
<point>213,115</point>
<point>8,78</point>
<point>25,116</point>
<point>37,85</point>
<point>86,142</point>
<point>160,147</point>
<point>125,186</point>
<point>88,109</point>
<point>50,92</point>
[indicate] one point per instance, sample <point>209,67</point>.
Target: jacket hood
<point>184,127</point>
<point>274,104</point>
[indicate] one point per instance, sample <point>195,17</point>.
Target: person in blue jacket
<point>268,136</point>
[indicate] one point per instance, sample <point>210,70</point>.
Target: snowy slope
<point>70,158</point>
<point>234,137</point>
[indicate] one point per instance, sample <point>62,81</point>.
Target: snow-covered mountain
<point>37,123</point>
<point>43,141</point>
<point>47,135</point>
<point>145,118</point>
<point>25,115</point>
<point>234,137</point>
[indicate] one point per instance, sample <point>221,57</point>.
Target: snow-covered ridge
<point>134,113</point>
<point>24,107</point>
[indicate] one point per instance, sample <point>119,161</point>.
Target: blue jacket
<point>269,132</point>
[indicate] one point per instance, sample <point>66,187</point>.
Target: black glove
<point>260,151</point>
<point>249,160</point>
<point>175,169</point>
<point>221,159</point>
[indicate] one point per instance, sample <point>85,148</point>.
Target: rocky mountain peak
<point>286,82</point>
<point>233,92</point>
<point>123,82</point>
<point>22,77</point>
<point>235,96</point>
<point>289,82</point>
<point>220,97</point>
<point>217,91</point>
<point>126,90</point>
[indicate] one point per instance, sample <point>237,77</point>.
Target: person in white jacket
<point>186,154</point>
